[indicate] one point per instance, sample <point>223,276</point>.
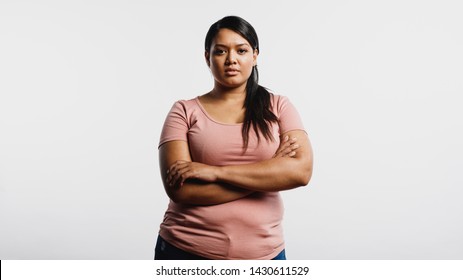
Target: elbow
<point>183,195</point>
<point>181,198</point>
<point>304,175</point>
<point>307,171</point>
<point>301,170</point>
<point>176,196</point>
<point>306,178</point>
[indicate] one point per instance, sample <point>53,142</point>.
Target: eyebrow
<point>239,45</point>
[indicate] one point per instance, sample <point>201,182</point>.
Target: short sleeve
<point>288,117</point>
<point>176,124</point>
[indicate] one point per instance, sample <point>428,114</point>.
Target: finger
<point>187,175</point>
<point>288,144</point>
<point>290,151</point>
<point>173,177</point>
<point>283,146</point>
<point>171,173</point>
<point>176,166</point>
<point>284,140</point>
<point>180,176</point>
<point>290,148</point>
<point>177,162</point>
<point>183,176</point>
<point>293,140</point>
<point>280,151</point>
<point>286,151</point>
<point>172,180</point>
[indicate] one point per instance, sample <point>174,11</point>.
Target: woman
<point>224,157</point>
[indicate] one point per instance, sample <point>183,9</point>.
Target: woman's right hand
<point>182,170</point>
<point>287,148</point>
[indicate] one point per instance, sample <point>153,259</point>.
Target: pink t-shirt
<point>247,228</point>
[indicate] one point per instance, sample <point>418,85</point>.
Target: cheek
<point>216,63</point>
<point>248,61</point>
<point>247,65</point>
<point>215,67</point>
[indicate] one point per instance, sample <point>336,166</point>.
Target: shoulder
<point>279,103</point>
<point>185,107</point>
<point>278,99</point>
<point>186,104</point>
<point>287,114</point>
<point>187,111</point>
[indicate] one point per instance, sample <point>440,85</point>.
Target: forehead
<point>229,37</point>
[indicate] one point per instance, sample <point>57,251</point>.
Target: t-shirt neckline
<point>212,119</point>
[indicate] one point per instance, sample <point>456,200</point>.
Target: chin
<point>231,83</point>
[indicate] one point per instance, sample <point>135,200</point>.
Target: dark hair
<point>257,101</point>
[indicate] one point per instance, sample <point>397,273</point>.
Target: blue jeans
<point>167,251</point>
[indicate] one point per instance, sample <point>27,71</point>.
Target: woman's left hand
<point>182,170</point>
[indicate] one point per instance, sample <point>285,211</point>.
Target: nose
<point>231,58</point>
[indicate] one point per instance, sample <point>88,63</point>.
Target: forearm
<point>278,173</point>
<point>271,175</point>
<point>275,174</point>
<point>193,191</point>
<point>197,192</point>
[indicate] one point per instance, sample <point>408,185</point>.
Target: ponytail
<point>258,114</point>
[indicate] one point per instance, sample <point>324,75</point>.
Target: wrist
<point>220,173</point>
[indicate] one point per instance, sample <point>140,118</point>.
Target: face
<point>231,59</point>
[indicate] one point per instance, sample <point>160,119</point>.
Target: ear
<point>254,56</point>
<point>207,56</point>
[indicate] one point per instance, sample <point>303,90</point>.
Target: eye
<point>218,51</point>
<point>242,51</point>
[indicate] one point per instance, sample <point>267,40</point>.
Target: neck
<point>221,92</point>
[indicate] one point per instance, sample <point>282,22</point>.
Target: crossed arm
<point>200,184</point>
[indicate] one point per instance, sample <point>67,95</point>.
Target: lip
<point>231,71</point>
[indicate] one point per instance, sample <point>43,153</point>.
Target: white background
<point>85,87</point>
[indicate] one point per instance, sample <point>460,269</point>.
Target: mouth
<point>231,71</point>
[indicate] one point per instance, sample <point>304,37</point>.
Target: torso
<point>247,228</point>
